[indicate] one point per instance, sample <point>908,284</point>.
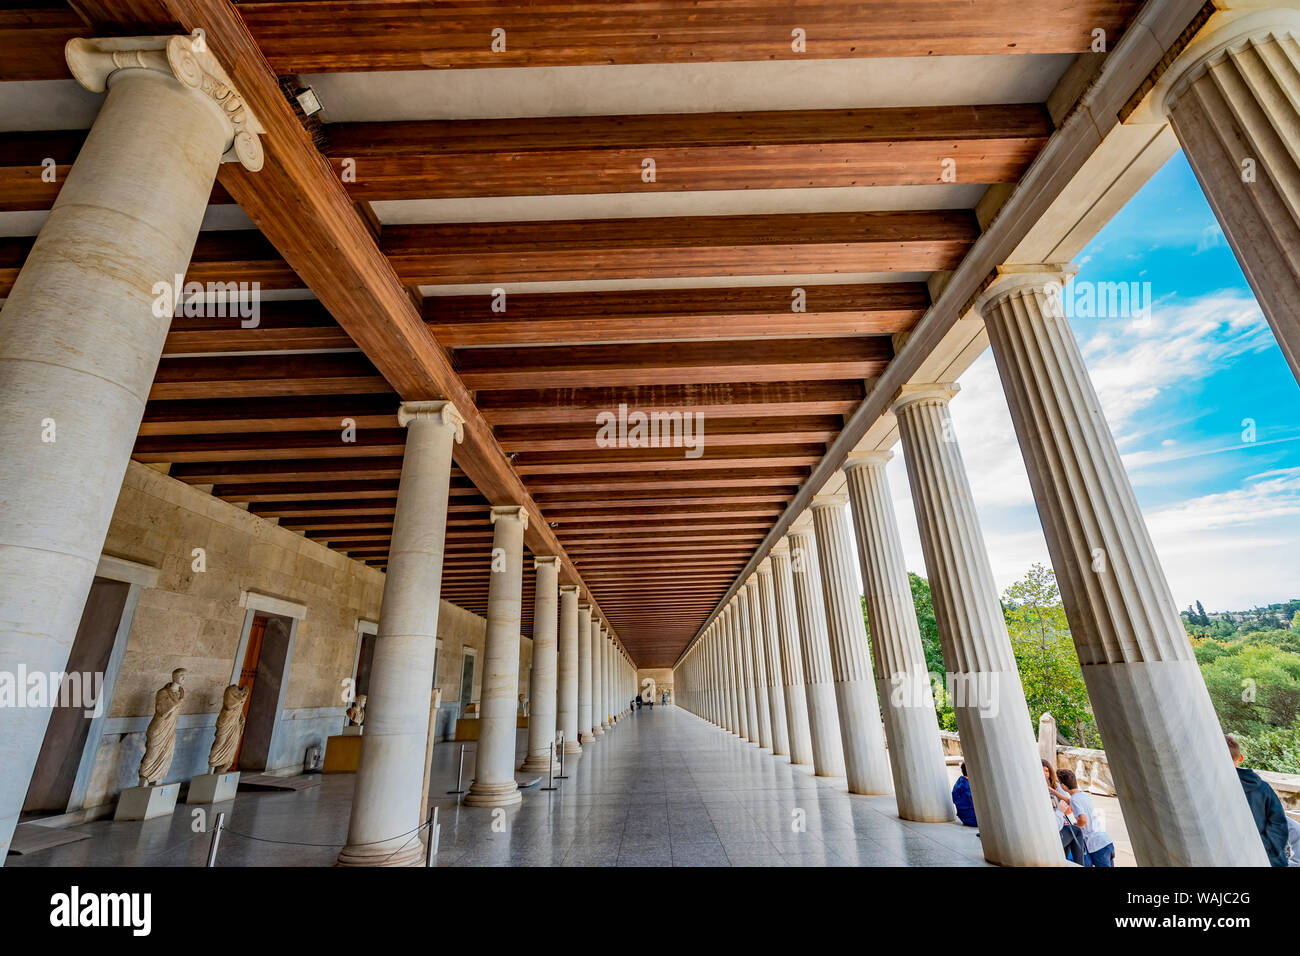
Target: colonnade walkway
<point>663,788</point>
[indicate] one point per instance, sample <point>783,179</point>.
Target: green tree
<point>1049,668</point>
<point>1255,687</point>
<point>1295,622</point>
<point>930,644</point>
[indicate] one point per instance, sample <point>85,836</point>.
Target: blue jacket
<point>961,798</point>
<point>1270,818</point>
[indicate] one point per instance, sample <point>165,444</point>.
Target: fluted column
<point>81,333</point>
<point>758,646</point>
<point>819,679</point>
<point>865,761</point>
<point>792,676</point>
<point>567,715</point>
<point>902,678</point>
<point>607,709</point>
<point>766,604</point>
<point>746,660</point>
<point>386,809</point>
<point>739,727</point>
<point>494,765</point>
<point>584,672</point>
<point>1182,800</point>
<point>597,675</point>
<point>542,710</point>
<point>1016,824</point>
<point>1233,100</point>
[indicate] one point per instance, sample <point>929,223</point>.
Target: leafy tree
<point>1295,622</point>
<point>1254,687</point>
<point>1276,749</point>
<point>1202,618</point>
<point>1049,668</point>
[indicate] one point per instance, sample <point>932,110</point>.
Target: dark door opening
<point>65,736</point>
<point>263,672</point>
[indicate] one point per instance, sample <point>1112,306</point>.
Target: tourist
<point>1071,835</point>
<point>961,799</point>
<point>1270,818</point>
<point>1098,847</point>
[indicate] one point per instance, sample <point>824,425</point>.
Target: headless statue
<point>230,729</point>
<point>160,738</point>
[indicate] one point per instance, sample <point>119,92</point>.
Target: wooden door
<point>248,672</point>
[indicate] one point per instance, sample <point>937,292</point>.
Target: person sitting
<point>1098,847</point>
<point>961,799</point>
<point>1270,818</point>
<point>1071,835</point>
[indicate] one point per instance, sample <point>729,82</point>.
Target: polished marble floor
<point>664,788</point>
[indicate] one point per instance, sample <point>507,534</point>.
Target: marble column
<point>567,715</point>
<point>584,672</point>
<point>757,644</point>
<point>735,639</point>
<point>819,679</point>
<point>597,676</point>
<point>386,809</point>
<point>81,333</point>
<point>542,719</point>
<point>916,754</point>
<point>997,742</point>
<point>766,603</point>
<point>494,766</point>
<point>1233,100</point>
<point>737,695</point>
<point>745,660</point>
<point>792,676</point>
<point>865,761</point>
<point>1182,800</point>
<point>607,684</point>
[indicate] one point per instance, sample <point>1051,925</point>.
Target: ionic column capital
<point>509,512</point>
<point>441,411</point>
<point>546,561</point>
<point>95,62</point>
<point>1009,280</point>
<point>936,393</point>
<point>1235,25</point>
<point>867,459</point>
<point>780,549</point>
<point>584,607</point>
<point>765,566</point>
<point>828,501</point>
<point>569,589</point>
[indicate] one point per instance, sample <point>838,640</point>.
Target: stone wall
<point>662,676</point>
<point>194,619</point>
<point>1092,770</point>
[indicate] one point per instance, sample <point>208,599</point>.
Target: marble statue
<point>160,738</point>
<point>357,712</point>
<point>523,706</point>
<point>230,729</point>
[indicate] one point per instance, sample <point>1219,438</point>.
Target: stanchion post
<point>460,770</point>
<point>550,770</point>
<point>216,839</point>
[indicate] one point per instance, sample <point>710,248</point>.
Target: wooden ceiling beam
<point>579,405</point>
<point>679,246</point>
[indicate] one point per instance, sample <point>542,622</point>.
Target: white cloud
<point>1231,549</point>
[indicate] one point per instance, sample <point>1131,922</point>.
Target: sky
<point>1202,404</point>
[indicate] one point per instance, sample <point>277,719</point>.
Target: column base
<point>597,732</point>
<point>390,853</point>
<point>535,763</point>
<point>493,795</point>
<point>572,748</point>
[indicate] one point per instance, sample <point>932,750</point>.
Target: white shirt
<point>1094,839</point>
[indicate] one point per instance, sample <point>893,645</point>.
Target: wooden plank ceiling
<point>297,416</point>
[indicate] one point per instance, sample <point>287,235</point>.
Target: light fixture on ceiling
<point>309,102</point>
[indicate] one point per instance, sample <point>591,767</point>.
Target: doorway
<point>66,735</point>
<point>263,672</point>
<point>466,682</point>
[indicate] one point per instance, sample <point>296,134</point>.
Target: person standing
<point>1098,847</point>
<point>1270,817</point>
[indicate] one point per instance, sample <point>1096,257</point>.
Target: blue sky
<point>1176,388</point>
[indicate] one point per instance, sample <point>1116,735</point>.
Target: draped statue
<point>230,729</point>
<point>356,714</point>
<point>160,738</point>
